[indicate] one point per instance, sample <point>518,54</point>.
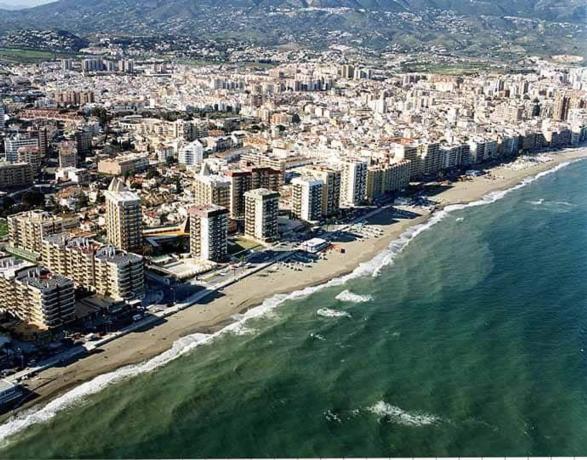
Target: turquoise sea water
<point>473,342</point>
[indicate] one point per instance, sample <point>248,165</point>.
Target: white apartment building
<point>353,184</point>
<point>208,232</point>
<point>307,198</point>
<point>13,143</point>
<point>191,154</point>
<point>261,213</point>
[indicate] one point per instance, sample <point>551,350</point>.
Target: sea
<point>467,337</point>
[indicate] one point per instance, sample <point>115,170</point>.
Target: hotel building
<point>35,294</point>
<point>331,188</point>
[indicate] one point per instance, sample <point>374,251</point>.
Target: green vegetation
<point>459,68</point>
<point>3,228</point>
<point>197,62</point>
<point>27,56</point>
<point>241,244</point>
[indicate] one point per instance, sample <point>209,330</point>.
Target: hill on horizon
<point>472,26</point>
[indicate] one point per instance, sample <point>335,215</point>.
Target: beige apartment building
<point>36,295</point>
<point>123,217</point>
<point>26,230</point>
<point>387,177</point>
<point>104,270</point>
<point>212,189</point>
<point>123,165</point>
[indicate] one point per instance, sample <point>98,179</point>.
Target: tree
<point>33,199</point>
<point>83,201</point>
<point>153,173</point>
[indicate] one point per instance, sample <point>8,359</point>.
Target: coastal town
<point>134,190</point>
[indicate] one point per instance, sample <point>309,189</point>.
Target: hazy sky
<point>23,3</point>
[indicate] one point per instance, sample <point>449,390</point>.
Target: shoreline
<point>217,314</point>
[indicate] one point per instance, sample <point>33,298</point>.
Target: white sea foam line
<point>385,410</point>
<point>186,344</point>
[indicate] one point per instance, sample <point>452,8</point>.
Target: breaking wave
<point>348,296</point>
<point>553,206</point>
<point>329,313</point>
<point>394,414</point>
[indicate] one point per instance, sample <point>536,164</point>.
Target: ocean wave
<point>329,313</point>
<point>41,414</point>
<point>317,336</point>
<point>553,206</point>
<point>348,296</point>
<point>394,414</point>
<point>332,416</point>
<point>537,202</point>
<point>243,330</point>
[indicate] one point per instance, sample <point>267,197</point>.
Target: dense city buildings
<point>210,162</point>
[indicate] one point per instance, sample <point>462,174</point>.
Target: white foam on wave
<point>332,416</point>
<point>186,344</point>
<point>537,202</point>
<point>329,313</point>
<point>386,411</point>
<point>560,207</point>
<point>317,336</point>
<point>348,296</point>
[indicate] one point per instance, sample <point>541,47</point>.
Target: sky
<point>16,4</point>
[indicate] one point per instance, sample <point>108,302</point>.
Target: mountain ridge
<point>455,24</point>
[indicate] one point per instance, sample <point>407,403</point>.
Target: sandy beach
<point>218,311</point>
